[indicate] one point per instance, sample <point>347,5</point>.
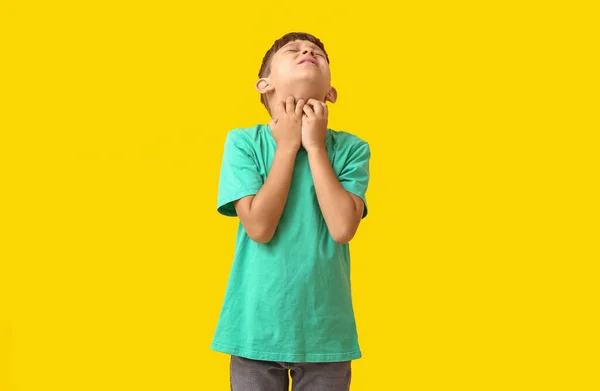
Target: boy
<point>298,189</point>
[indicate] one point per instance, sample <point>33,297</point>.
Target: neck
<point>305,93</point>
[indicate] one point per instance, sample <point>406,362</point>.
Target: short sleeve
<point>239,175</point>
<point>354,176</point>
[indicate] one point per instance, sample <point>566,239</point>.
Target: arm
<point>260,213</point>
<point>341,210</point>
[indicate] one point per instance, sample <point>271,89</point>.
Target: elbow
<point>343,232</point>
<point>261,239</point>
<point>260,235</point>
<point>343,235</point>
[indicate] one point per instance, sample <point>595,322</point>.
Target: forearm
<point>337,205</point>
<point>267,205</point>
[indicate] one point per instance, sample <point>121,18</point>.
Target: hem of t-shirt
<point>236,196</point>
<point>285,357</point>
<point>359,193</point>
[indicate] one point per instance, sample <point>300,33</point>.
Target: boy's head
<point>297,65</point>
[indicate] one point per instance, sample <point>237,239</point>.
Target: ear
<point>331,95</point>
<point>263,86</point>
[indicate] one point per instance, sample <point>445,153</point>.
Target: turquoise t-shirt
<point>289,300</point>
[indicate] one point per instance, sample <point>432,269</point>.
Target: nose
<point>312,53</point>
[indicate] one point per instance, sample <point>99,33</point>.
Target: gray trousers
<point>254,375</point>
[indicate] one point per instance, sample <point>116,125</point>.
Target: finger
<point>299,106</point>
<point>289,104</point>
<point>316,106</point>
<point>325,109</point>
<point>308,110</point>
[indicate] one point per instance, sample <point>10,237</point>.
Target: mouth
<point>309,60</point>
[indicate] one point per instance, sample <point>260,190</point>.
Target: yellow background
<point>475,270</point>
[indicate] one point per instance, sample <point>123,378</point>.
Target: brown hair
<point>265,67</point>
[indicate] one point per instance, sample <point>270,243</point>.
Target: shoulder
<point>249,134</point>
<point>344,140</point>
<point>246,137</point>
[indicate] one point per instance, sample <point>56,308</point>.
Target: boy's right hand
<point>286,125</point>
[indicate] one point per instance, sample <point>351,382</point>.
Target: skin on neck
<point>306,93</point>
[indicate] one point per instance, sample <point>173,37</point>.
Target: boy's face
<point>299,69</point>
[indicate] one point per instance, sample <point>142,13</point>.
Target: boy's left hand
<point>314,124</point>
